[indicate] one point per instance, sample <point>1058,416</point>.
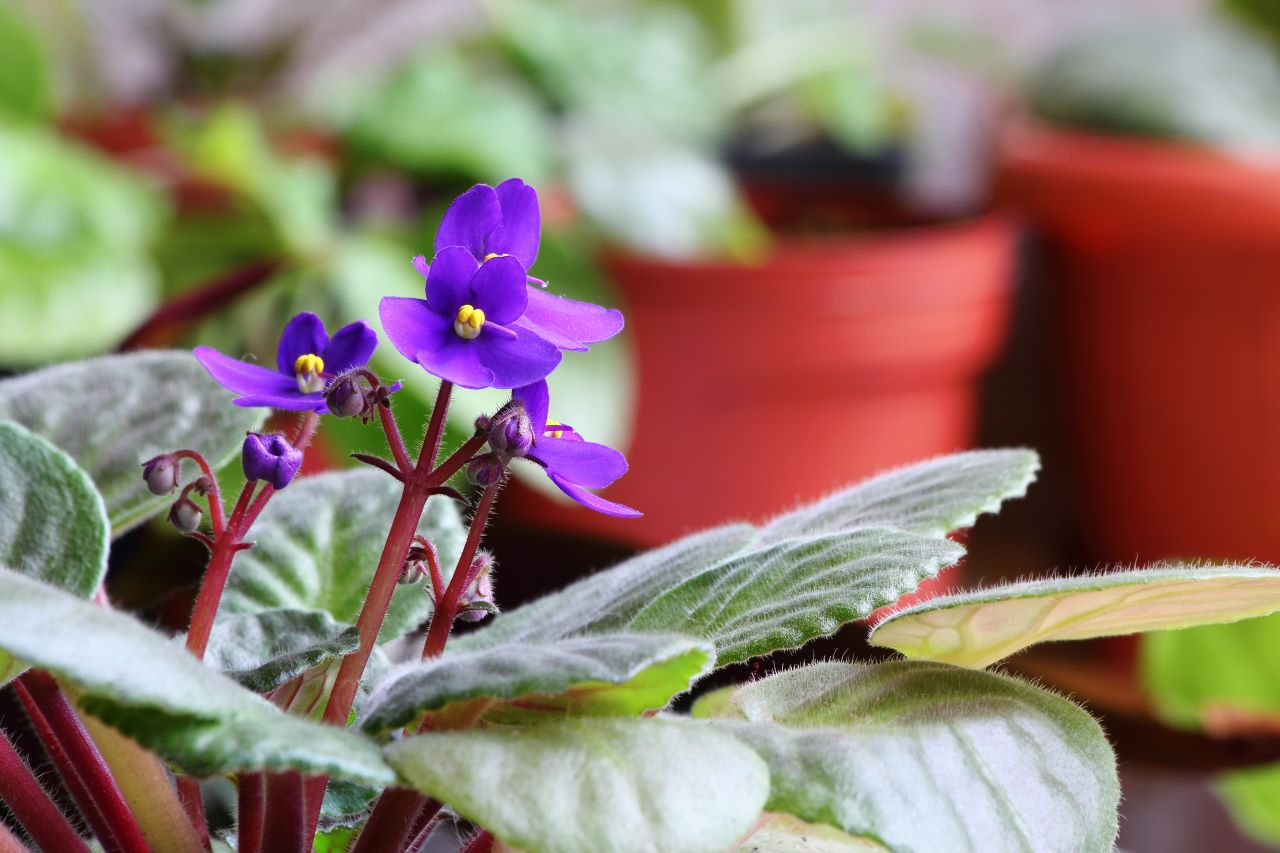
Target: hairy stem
<point>286,831</point>
<point>481,842</point>
<point>216,518</point>
<point>393,823</point>
<point>445,614</point>
<point>82,767</point>
<point>426,822</point>
<point>251,812</point>
<point>32,806</point>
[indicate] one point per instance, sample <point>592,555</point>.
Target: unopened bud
<point>480,602</point>
<point>271,458</point>
<point>485,470</point>
<point>412,572</point>
<point>345,398</point>
<point>511,431</point>
<point>185,515</point>
<point>161,474</point>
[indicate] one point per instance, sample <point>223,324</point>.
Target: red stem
<point>31,804</point>
<point>481,842</point>
<point>393,822</point>
<point>215,577</point>
<point>394,439</point>
<point>425,824</point>
<point>214,495</point>
<point>251,812</point>
<point>445,614</point>
<point>88,779</point>
<point>201,300</point>
<point>193,805</point>
<point>287,805</point>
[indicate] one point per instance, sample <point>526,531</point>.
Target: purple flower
<point>306,360</point>
<point>271,458</point>
<point>572,463</point>
<point>504,221</point>
<point>465,331</point>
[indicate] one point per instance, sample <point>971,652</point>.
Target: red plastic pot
<point>1166,261</point>
<point>764,386</point>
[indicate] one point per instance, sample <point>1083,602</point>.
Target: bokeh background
<point>847,235</point>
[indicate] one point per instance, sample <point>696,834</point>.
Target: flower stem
<point>251,812</point>
<point>214,495</point>
<point>31,805</point>
<point>287,805</point>
<point>393,822</point>
<point>215,577</point>
<point>425,824</point>
<point>87,776</point>
<point>445,614</point>
<point>481,842</point>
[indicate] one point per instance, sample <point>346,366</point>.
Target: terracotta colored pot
<point>1166,260</point>
<point>764,386</point>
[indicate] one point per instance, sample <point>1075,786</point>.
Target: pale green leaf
<point>600,675</point>
<point>583,786</point>
<point>142,683</point>
<point>933,497</point>
<point>53,525</point>
<point>264,650</point>
<point>978,628</point>
<point>911,753</point>
<point>717,705</point>
<point>319,541</point>
<point>783,833</point>
<point>113,413</point>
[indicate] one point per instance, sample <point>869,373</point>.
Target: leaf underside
<point>263,650</point>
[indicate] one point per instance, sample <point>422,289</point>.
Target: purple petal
<point>595,502</point>
<point>519,361</point>
<point>449,282</point>
<point>458,362</point>
<point>498,289</point>
<point>420,264</point>
<point>243,377</point>
<point>295,402</point>
<point>583,462</point>
<point>303,335</point>
<point>537,402</point>
<point>469,220</point>
<point>351,346</point>
<point>567,323</point>
<point>412,327</point>
<point>521,226</point>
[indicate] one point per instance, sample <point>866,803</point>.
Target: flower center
<point>307,369</point>
<point>468,322</point>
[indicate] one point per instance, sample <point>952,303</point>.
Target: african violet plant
<point>547,729</point>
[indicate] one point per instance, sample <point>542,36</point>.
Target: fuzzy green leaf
<point>978,628</point>
<point>142,683</point>
<point>264,650</point>
<point>113,413</point>
<point>602,675</point>
<point>319,541</point>
<point>773,597</point>
<point>933,497</point>
<point>909,753</point>
<point>582,786</point>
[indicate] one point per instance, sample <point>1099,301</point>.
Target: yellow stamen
<point>559,433</point>
<point>307,369</point>
<point>468,321</point>
<point>492,255</point>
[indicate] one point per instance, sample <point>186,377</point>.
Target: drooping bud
<point>345,398</point>
<point>185,515</point>
<point>510,430</point>
<point>271,458</point>
<point>480,601</point>
<point>412,572</point>
<point>485,470</point>
<point>161,474</point>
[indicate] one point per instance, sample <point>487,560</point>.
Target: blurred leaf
<point>26,87</point>
<point>976,629</point>
<point>75,276</point>
<point>909,753</point>
<point>854,107</point>
<point>264,650</point>
<point>583,786</point>
<point>439,115</point>
<point>154,691</point>
<point>1253,798</point>
<point>319,541</point>
<point>53,525</point>
<point>113,413</point>
<point>782,833</point>
<point>601,675</point>
<point>1196,81</point>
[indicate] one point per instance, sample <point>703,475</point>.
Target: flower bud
<point>412,572</point>
<point>511,431</point>
<point>185,515</point>
<point>485,470</point>
<point>161,474</point>
<point>271,458</point>
<point>345,398</point>
<point>480,602</point>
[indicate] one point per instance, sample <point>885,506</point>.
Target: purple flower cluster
<point>484,322</point>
